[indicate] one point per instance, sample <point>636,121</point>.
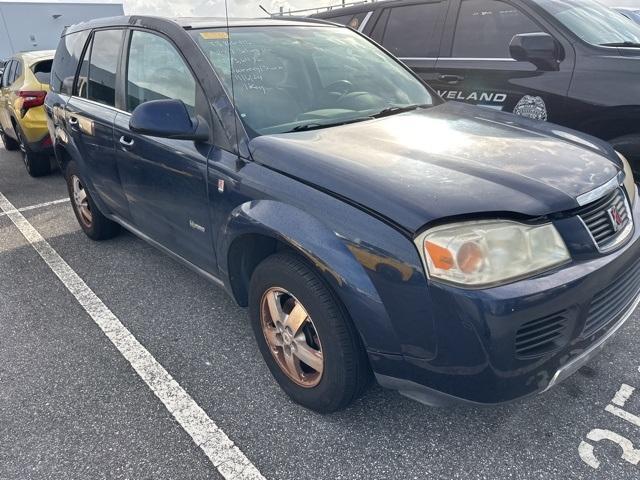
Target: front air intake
<point>541,336</point>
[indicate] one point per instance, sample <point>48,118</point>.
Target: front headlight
<point>629,181</point>
<point>482,253</point>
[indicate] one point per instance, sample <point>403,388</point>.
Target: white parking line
<point>225,456</point>
<point>34,207</point>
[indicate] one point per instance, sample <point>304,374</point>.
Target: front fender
<point>328,252</point>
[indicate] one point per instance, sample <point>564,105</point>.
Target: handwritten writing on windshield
<point>254,68</point>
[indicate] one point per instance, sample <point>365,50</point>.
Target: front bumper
<point>479,357</point>
<point>435,398</point>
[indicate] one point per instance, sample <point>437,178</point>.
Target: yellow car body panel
<point>32,122</point>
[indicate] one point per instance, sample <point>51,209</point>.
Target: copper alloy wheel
<point>292,337</point>
<point>81,201</point>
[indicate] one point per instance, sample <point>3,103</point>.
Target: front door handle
<point>125,142</point>
<point>73,121</point>
<point>451,78</point>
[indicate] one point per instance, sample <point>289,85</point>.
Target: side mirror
<point>168,119</point>
<point>541,49</point>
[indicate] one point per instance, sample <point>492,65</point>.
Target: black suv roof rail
<point>310,11</point>
<point>304,19</point>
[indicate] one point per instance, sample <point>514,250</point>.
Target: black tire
<point>346,371</point>
<point>9,143</point>
<point>629,146</point>
<point>37,164</point>
<point>98,227</point>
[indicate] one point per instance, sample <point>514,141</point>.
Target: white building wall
<point>28,26</point>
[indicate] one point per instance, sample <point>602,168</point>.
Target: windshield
<point>289,78</point>
<point>593,22</point>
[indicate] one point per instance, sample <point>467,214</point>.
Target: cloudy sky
<point>246,8</point>
<point>237,8</point>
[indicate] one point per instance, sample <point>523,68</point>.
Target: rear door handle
<point>127,143</point>
<point>451,78</point>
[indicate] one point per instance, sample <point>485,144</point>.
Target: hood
<point>450,160</point>
<point>629,52</point>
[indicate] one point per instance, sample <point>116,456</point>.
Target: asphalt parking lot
<point>73,406</point>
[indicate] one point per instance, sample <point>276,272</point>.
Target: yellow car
<point>23,122</point>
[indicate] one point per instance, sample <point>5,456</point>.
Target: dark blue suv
<point>458,254</point>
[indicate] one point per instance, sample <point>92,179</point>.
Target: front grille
<point>610,303</point>
<point>598,220</point>
<point>542,335</point>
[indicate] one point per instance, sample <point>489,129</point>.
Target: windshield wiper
<point>626,43</point>
<point>394,110</point>
<point>307,126</point>
<point>314,125</point>
<point>382,113</point>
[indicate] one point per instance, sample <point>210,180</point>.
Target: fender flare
<point>326,251</point>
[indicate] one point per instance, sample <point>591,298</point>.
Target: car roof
<point>213,22</point>
<point>192,22</point>
<point>32,57</point>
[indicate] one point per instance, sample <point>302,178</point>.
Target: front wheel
<point>629,146</point>
<point>94,224</point>
<point>305,336</point>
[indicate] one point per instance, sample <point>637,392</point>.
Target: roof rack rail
<point>310,11</point>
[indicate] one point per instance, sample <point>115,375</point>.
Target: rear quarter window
<point>342,19</point>
<point>65,63</point>
<point>353,21</point>
<point>42,71</point>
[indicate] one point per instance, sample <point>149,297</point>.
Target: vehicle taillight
<point>30,99</point>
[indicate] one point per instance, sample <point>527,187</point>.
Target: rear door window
<point>155,71</point>
<point>105,53</point>
<point>66,61</point>
<point>485,28</point>
<point>12,73</point>
<point>413,30</point>
<point>6,77</point>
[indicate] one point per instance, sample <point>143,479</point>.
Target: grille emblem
<point>615,218</point>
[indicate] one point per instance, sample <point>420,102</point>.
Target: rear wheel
<point>305,336</point>
<point>37,164</point>
<point>94,224</point>
<point>9,143</point>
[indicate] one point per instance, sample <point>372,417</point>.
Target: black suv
<point>572,62</point>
